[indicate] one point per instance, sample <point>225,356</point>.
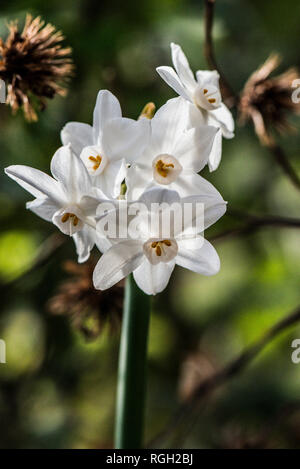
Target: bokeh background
<point>57,389</point>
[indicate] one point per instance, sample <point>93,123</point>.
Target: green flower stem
<point>132,368</point>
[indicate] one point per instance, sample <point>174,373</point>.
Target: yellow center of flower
<point>163,168</point>
<point>157,246</point>
<point>96,160</point>
<point>66,216</point>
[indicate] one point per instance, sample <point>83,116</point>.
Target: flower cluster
<point>147,169</point>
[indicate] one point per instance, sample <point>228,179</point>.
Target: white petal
<point>125,138</point>
<point>211,77</point>
<point>69,169</point>
<point>116,263</point>
<point>206,210</point>
<point>36,182</point>
<point>198,255</point>
<point>84,241</point>
<point>88,204</point>
<point>216,152</point>
<point>44,208</point>
<point>78,135</point>
<point>194,148</point>
<point>109,182</point>
<point>196,116</point>
<point>153,279</point>
<point>168,125</point>
<point>157,195</point>
<point>222,117</point>
<point>102,243</point>
<point>138,179</point>
<point>182,67</point>
<point>107,107</point>
<point>169,75</point>
<point>115,175</point>
<point>213,213</point>
<point>190,183</point>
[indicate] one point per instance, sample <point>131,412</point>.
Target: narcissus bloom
<point>204,93</point>
<point>151,255</point>
<point>106,147</point>
<point>67,199</point>
<point>174,155</point>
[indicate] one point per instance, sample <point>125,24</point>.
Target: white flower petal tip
<point>169,75</point>
<point>153,278</point>
<point>78,135</point>
<point>199,256</point>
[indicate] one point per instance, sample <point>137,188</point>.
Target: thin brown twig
<point>254,223</point>
<point>228,372</point>
<point>268,141</point>
<point>281,159</point>
<point>226,89</point>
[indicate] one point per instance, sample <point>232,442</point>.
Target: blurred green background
<point>57,390</point>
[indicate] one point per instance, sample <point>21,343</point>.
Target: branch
<point>235,367</point>
<point>254,223</point>
<point>284,163</point>
<point>226,89</point>
<point>268,141</point>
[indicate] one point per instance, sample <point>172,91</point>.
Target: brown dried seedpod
<point>34,65</point>
<point>267,100</point>
<point>89,309</point>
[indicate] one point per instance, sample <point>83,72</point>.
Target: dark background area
<point>57,390</point>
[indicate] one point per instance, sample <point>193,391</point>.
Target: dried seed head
<point>267,101</point>
<point>34,65</point>
<point>89,309</point>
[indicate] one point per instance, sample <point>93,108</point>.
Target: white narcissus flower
<point>204,94</point>
<point>174,155</point>
<point>106,147</point>
<point>68,199</point>
<point>152,257</point>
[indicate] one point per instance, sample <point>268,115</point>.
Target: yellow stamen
<point>157,245</point>
<point>65,217</point>
<point>68,215</point>
<point>205,91</point>
<point>158,250</point>
<point>162,168</point>
<point>97,160</point>
<point>212,100</point>
<point>167,242</point>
